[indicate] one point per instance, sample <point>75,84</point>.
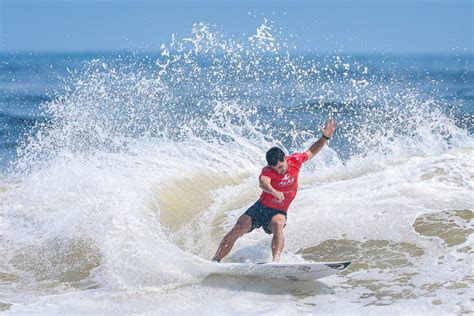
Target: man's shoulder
<point>298,156</point>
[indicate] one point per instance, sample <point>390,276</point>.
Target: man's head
<point>276,160</point>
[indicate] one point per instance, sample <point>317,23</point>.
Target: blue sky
<point>367,26</point>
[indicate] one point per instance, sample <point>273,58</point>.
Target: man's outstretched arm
<point>327,134</point>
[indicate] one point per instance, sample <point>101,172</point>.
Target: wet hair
<point>275,155</point>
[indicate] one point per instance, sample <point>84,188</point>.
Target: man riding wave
<point>279,183</point>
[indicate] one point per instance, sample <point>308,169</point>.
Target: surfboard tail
<point>339,265</point>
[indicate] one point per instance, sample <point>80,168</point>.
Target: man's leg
<point>243,226</point>
<point>276,227</point>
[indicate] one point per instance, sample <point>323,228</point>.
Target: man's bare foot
<point>276,258</point>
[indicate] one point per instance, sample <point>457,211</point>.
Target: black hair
<point>275,155</point>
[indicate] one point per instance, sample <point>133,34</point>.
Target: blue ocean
<point>121,172</point>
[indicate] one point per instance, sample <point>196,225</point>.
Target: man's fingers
<point>329,128</point>
<point>281,197</point>
<point>331,123</point>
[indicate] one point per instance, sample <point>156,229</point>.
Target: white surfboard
<point>295,271</point>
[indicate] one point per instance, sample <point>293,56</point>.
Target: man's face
<point>281,167</point>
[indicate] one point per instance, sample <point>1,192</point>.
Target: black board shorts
<point>261,216</point>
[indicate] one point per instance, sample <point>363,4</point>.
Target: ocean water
<point>121,173</point>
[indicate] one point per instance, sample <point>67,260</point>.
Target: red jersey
<point>285,183</point>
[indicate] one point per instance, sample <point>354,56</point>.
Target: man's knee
<point>243,225</point>
<point>277,224</point>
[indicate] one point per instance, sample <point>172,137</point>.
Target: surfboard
<point>294,271</point>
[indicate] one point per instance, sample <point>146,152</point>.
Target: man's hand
<point>327,133</point>
<point>279,195</point>
<point>330,128</point>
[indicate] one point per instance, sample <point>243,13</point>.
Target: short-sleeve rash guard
<point>286,183</point>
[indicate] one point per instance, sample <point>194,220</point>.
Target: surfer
<point>279,183</point>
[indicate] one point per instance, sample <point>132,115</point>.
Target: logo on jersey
<point>286,180</point>
<point>276,201</point>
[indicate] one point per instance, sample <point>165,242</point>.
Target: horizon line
<point>142,52</point>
